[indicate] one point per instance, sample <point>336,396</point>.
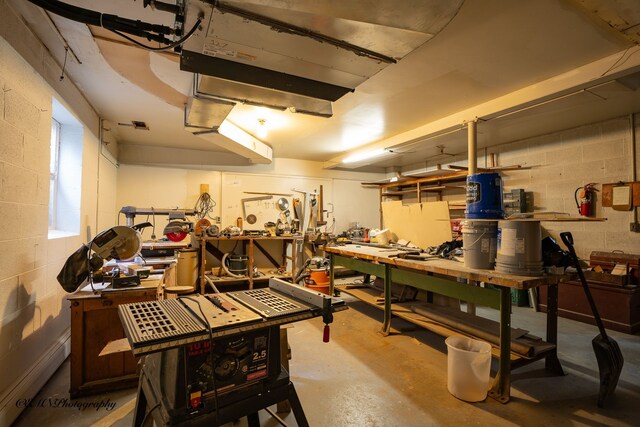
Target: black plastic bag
<point>553,254</point>
<point>77,269</point>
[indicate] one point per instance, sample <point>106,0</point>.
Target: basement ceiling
<point>483,51</point>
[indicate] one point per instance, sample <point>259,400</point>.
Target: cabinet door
<point>102,325</point>
<point>94,323</point>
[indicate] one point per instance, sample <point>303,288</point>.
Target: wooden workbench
<point>249,244</point>
<point>441,276</point>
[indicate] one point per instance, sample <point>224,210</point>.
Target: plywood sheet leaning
<point>423,224</point>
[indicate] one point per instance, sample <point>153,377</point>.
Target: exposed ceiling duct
<point>201,114</point>
<point>251,52</point>
<point>261,96</point>
<point>491,58</point>
<point>205,116</point>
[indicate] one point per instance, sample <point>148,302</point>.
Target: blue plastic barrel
<point>484,196</point>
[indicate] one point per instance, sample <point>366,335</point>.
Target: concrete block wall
<point>29,306</point>
<point>563,161</point>
<point>34,314</point>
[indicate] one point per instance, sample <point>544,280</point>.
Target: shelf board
<point>265,238</point>
<point>403,310</point>
<point>437,189</point>
<point>397,193</point>
<point>439,179</point>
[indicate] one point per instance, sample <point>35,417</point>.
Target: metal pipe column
<point>472,147</point>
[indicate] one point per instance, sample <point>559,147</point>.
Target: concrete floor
<point>363,379</point>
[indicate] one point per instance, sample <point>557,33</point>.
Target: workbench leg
<point>332,265</point>
<point>296,407</point>
<point>471,307</point>
<point>386,324</point>
<point>285,353</point>
<point>501,390</point>
<point>141,409</point>
<point>203,265</point>
<point>551,362</point>
<point>253,420</point>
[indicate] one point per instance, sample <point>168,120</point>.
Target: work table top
<point>105,288</point>
<point>441,266</point>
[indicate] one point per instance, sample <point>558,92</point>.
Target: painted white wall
<point>145,187</point>
<point>34,313</point>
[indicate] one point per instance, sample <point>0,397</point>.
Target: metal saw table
<point>211,359</point>
<point>440,276</point>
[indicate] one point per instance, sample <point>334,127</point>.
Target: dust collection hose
<point>210,282</point>
<point>299,276</point>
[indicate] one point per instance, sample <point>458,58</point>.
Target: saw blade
<point>176,231</point>
<point>201,225</point>
<point>177,236</point>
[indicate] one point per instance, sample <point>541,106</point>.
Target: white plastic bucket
<point>468,368</point>
<point>519,248</point>
<point>479,244</point>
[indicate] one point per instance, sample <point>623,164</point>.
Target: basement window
<point>65,173</point>
<point>54,165</point>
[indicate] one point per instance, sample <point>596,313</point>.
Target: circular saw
<point>119,242</point>
<point>177,230</point>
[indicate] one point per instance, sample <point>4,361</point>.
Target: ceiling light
<point>236,134</point>
<point>364,155</point>
<point>261,130</point>
<point>238,141</point>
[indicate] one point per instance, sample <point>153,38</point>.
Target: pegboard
<point>236,186</point>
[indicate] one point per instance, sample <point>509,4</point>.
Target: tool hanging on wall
<point>585,199</point>
<point>251,218</point>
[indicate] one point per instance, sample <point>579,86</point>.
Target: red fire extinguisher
<point>585,197</point>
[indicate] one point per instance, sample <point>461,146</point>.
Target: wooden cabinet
<point>250,247</point>
<point>94,323</point>
<point>618,306</point>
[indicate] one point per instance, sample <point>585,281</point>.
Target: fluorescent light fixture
<point>250,147</point>
<point>238,135</point>
<point>364,155</point>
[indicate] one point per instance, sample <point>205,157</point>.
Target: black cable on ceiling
<point>170,45</point>
<point>110,22</point>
